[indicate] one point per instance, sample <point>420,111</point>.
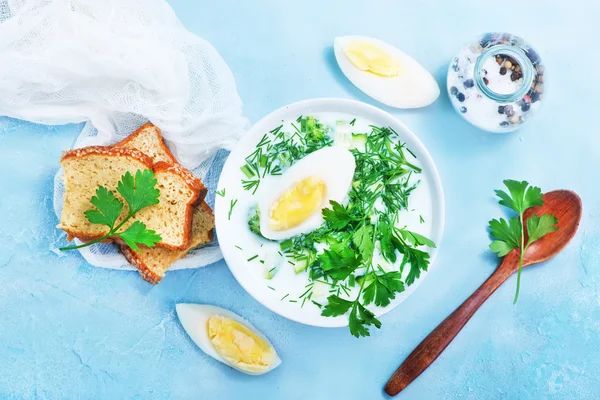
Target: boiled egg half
<point>228,338</point>
<point>292,203</point>
<point>384,72</point>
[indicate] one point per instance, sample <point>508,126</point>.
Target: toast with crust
<point>88,168</point>
<point>149,140</point>
<point>152,263</point>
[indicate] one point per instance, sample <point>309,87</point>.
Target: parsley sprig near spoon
<point>139,192</point>
<point>511,234</point>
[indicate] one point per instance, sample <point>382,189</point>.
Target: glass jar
<point>497,83</point>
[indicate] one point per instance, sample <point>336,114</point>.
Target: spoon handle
<point>434,344</point>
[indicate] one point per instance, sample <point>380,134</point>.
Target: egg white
<point>333,165</point>
<point>414,86</point>
<point>194,317</point>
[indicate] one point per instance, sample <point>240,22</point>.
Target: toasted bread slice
<point>84,171</point>
<point>88,168</point>
<point>171,218</point>
<point>152,263</point>
<point>148,139</point>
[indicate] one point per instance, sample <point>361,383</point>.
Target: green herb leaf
<point>521,198</point>
<point>137,234</point>
<point>381,289</point>
<point>511,235</point>
<point>418,261</point>
<point>139,192</point>
<point>363,240</point>
<point>538,227</point>
<point>507,235</point>
<point>232,204</point>
<point>337,217</point>
<point>359,319</point>
<point>108,208</point>
<point>416,239</point>
<point>387,241</point>
<point>336,306</point>
<point>339,265</point>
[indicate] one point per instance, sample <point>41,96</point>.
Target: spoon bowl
<point>566,207</point>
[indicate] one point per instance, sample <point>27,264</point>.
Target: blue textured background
<point>68,330</point>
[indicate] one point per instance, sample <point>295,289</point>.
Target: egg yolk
<point>297,204</point>
<point>369,57</point>
<point>238,345</point>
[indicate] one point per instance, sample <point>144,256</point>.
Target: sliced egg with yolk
<point>292,203</point>
<point>384,72</point>
<point>228,338</point>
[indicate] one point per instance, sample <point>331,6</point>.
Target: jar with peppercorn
<point>497,83</point>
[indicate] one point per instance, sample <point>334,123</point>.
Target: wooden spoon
<point>566,206</point>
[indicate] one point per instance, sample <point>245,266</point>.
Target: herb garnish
<point>138,192</point>
<point>231,205</point>
<point>221,192</point>
<point>340,252</point>
<point>511,235</point>
<point>278,150</point>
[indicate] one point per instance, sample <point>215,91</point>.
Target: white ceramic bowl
<point>233,231</point>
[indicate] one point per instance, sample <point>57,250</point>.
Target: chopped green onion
<point>247,171</point>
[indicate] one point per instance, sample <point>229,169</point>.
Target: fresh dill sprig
<point>231,205</point>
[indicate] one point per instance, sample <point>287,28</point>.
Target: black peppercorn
<point>469,83</point>
<point>453,91</point>
<point>502,71</point>
<point>509,111</point>
<point>461,97</point>
<point>525,107</point>
<point>500,109</point>
<point>463,110</point>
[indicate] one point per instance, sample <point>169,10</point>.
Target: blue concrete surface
<point>68,330</point>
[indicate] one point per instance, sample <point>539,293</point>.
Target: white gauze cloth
<point>116,64</point>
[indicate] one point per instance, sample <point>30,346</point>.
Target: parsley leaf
<point>381,289</point>
<point>387,241</point>
<point>418,261</point>
<point>507,235</point>
<point>363,240</point>
<point>360,318</point>
<point>415,238</point>
<point>108,208</point>
<point>337,217</point>
<point>138,234</point>
<point>538,227</point>
<point>521,197</point>
<point>511,235</point>
<point>339,265</point>
<point>336,306</point>
<point>139,192</point>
